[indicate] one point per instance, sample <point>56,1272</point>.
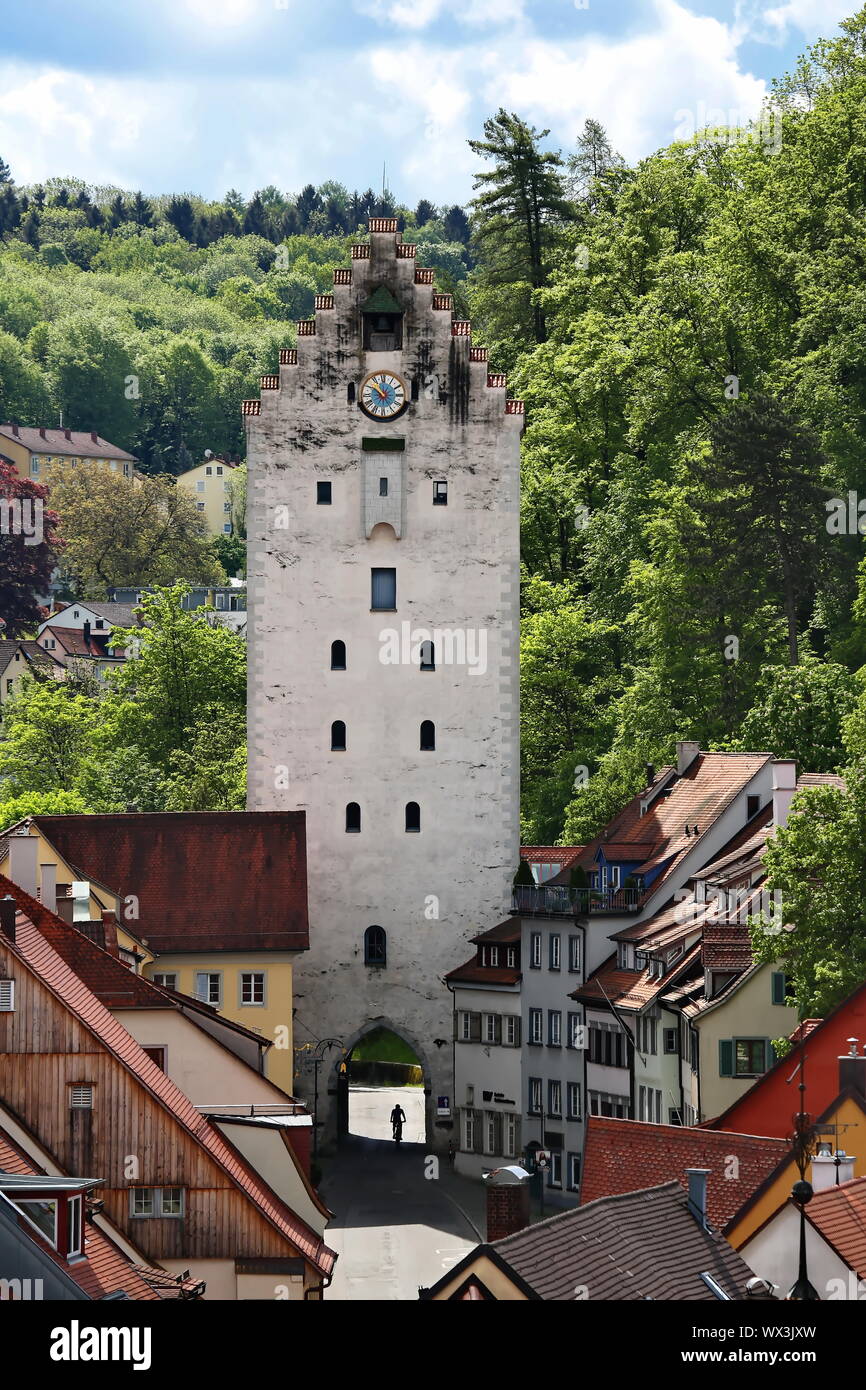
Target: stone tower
<point>383,576</point>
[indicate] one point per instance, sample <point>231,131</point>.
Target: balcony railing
<point>551,900</point>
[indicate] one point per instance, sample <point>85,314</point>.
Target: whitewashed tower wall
<point>310,585</point>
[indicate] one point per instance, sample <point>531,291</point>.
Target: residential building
<point>835,1237</point>
<point>189,1199</point>
<point>383,525</point>
<point>21,657</point>
<point>54,1242</point>
<point>487,1052</point>
<point>209,484</point>
<point>36,451</point>
<point>654,1243</point>
<point>211,904</point>
<point>78,635</point>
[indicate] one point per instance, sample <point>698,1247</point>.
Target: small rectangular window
<point>440,494</point>
<point>252,987</point>
<point>536,1026</point>
<point>573,1094</point>
<point>534,1094</point>
<point>554,951</point>
<point>554,1028</point>
<point>208,987</point>
<point>73,1226</point>
<point>199,487</point>
<point>384,590</point>
<point>168,979</point>
<point>383,487</point>
<point>142,1201</point>
<point>535,950</point>
<point>574,1171</point>
<point>156,1053</point>
<point>323,494</point>
<point>208,471</point>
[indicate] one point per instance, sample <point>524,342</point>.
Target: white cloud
<point>771,23</point>
<point>420,14</point>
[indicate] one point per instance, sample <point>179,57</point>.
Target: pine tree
<point>592,159</point>
<point>116,212</point>
<point>456,225</point>
<point>140,211</point>
<point>308,202</point>
<point>424,213</point>
<point>517,212</point>
<point>256,221</point>
<point>181,216</point>
<point>5,172</point>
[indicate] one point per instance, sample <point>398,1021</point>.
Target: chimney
<point>650,774</point>
<point>87,632</point>
<point>48,890</point>
<point>42,434</point>
<point>15,431</point>
<point>23,849</point>
<point>784,786</point>
<point>8,908</point>
<point>831,1169</point>
<point>68,434</point>
<point>852,1070</point>
<point>698,1194</point>
<point>507,1201</point>
<point>109,932</point>
<point>94,437</point>
<point>686,754</point>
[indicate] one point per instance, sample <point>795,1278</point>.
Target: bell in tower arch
<point>383,322</point>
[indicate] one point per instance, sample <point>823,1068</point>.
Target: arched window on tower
<point>413,817</point>
<point>338,656</point>
<point>428,656</point>
<point>353,818</point>
<point>428,736</point>
<point>375,946</point>
<point>350,393</point>
<point>338,736</point>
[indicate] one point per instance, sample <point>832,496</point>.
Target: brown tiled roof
<point>31,947</point>
<point>698,797</point>
<point>634,1246</point>
<point>839,1215</point>
<point>622,1155</point>
<point>726,946</point>
<point>474,974</point>
<point>105,1268</point>
<point>30,651</point>
<point>204,880</point>
<point>821,779</point>
<point>508,931</point>
<point>80,445</point>
<point>630,989</point>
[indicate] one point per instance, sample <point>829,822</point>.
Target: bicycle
<point>397,1131</point>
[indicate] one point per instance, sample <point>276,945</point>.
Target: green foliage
<point>17,808</point>
<point>523,875</point>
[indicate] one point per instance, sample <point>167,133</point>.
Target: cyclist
<point>398,1119</point>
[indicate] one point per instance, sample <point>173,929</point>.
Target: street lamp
<point>315,1059</point>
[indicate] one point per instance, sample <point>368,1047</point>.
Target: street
<point>394,1229</point>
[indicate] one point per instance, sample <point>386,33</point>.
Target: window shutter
<point>769,1053</point>
<point>479,1131</point>
<point>517,1023</point>
<point>777,987</point>
<point>7,996</point>
<point>497,1028</point>
<point>474,1027</point>
<point>726,1056</point>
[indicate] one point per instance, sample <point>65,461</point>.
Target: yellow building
<point>212,904</point>
<point>209,484</point>
<point>20,658</point>
<point>34,452</point>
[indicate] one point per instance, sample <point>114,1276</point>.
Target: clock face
<point>383,396</point>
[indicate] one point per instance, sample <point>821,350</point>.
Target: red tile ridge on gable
<point>34,950</point>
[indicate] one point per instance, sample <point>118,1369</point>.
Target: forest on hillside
<point>689,335</point>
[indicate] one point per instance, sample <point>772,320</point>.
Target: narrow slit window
<point>413,818</point>
<point>338,736</point>
<point>338,656</point>
<point>383,487</point>
<point>428,656</point>
<point>428,736</point>
<point>415,388</point>
<point>350,393</point>
<point>353,818</point>
<point>440,494</point>
<point>375,946</point>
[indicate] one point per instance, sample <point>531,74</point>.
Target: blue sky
<point>203,95</point>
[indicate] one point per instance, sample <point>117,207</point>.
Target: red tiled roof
<point>204,880</point>
<point>74,643</point>
<point>33,948</point>
<point>839,1215</point>
<point>106,1269</point>
<point>627,1155</point>
<point>113,983</point>
<point>508,931</point>
<point>551,854</point>
<point>726,946</point>
<point>80,445</point>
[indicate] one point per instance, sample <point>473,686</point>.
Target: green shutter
<point>769,1054</point>
<point>777,987</point>
<point>726,1056</point>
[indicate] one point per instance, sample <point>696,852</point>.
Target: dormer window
<point>383,322</point>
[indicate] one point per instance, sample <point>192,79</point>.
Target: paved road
<point>393,1228</point>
